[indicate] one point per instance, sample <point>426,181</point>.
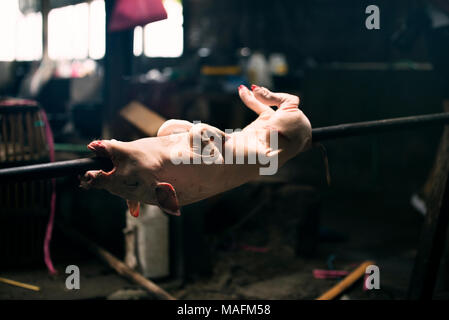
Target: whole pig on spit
<point>188,162</point>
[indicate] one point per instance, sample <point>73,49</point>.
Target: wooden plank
<point>117,265</point>
<point>142,118</point>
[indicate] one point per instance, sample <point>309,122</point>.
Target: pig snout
<point>132,176</point>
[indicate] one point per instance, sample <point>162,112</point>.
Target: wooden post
<point>117,64</point>
<point>45,10</point>
<point>433,236</point>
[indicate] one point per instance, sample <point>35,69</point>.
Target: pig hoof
<point>98,147</point>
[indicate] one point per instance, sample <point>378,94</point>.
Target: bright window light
<point>29,35</point>
<point>20,35</point>
<point>8,23</point>
<point>76,32</point>
<point>163,38</point>
<point>97,30</point>
<point>138,41</point>
<point>68,33</point>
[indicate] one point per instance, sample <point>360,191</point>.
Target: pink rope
<point>49,231</point>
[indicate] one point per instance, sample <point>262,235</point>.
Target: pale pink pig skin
<point>144,170</point>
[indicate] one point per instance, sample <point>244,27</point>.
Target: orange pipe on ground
<point>344,284</point>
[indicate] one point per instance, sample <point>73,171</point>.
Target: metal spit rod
<point>53,169</point>
<point>73,167</point>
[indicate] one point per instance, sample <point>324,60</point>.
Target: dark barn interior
<point>74,71</point>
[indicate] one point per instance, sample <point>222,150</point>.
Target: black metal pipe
<point>72,167</point>
<point>53,169</point>
<point>367,127</point>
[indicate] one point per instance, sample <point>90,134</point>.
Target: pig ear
<point>174,126</point>
<point>167,199</point>
<point>134,207</point>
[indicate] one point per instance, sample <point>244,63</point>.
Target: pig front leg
<point>292,126</point>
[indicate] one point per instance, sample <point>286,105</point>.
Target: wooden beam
<point>117,265</point>
<point>433,235</point>
<point>45,6</point>
<point>117,65</point>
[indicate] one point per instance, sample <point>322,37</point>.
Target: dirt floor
<point>259,261</point>
<point>368,231</point>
